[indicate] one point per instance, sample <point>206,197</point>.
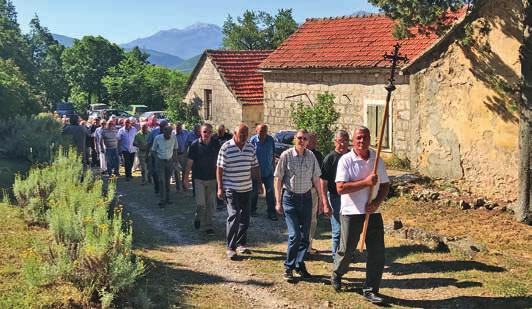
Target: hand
<point>327,211</point>
<point>371,180</point>
<point>261,189</point>
<point>279,208</point>
<point>220,194</point>
<point>372,207</point>
<point>185,185</point>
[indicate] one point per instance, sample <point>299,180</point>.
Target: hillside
<point>184,43</point>
<point>189,64</point>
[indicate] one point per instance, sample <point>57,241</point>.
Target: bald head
<point>240,135</point>
<point>262,131</point>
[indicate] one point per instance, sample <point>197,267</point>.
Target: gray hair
<point>362,128</point>
<point>341,134</point>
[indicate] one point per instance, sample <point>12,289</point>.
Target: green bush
<point>90,244</point>
<point>319,118</point>
<point>34,138</point>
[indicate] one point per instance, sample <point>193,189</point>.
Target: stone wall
<point>225,108</point>
<point>463,126</point>
<point>352,91</point>
<point>252,115</point>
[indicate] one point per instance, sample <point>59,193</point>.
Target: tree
<point>125,83</point>
<point>87,62</point>
<point>432,16</point>
<point>49,78</point>
<point>319,118</point>
<point>16,95</point>
<point>258,30</point>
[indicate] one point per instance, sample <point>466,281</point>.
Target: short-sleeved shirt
<point>125,139</point>
<point>264,151</point>
<point>204,157</point>
<point>182,138</point>
<point>328,170</point>
<point>109,137</point>
<point>141,140</point>
<point>297,171</point>
<point>351,167</point>
<point>164,148</point>
<point>237,164</point>
<point>153,133</point>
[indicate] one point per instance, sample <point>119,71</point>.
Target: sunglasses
<point>302,138</point>
<point>209,132</point>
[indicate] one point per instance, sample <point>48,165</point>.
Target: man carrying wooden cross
<point>354,177</point>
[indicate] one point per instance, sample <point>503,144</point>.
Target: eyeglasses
<point>302,138</point>
<point>207,132</point>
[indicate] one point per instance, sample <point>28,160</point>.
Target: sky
<point>121,21</point>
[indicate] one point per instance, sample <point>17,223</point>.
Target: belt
<point>305,194</point>
<point>180,153</point>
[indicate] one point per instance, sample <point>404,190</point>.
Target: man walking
<point>151,157</point>
<point>165,153</point>
<point>182,156</point>
<point>354,178</point>
<point>316,197</point>
<point>202,156</point>
<point>296,172</point>
<point>109,145</point>
<point>141,142</point>
<point>265,150</point>
<point>126,136</point>
<point>237,166</point>
<point>330,197</point>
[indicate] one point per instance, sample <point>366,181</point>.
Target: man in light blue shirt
<point>265,151</point>
<point>126,136</point>
<point>182,137</point>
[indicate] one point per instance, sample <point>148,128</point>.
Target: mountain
<point>184,43</point>
<point>189,64</point>
<point>162,59</point>
<point>63,40</point>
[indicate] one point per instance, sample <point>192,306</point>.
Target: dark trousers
<point>152,172</point>
<point>164,171</point>
<point>351,227</point>
<point>270,198</point>
<point>129,157</point>
<point>297,214</point>
<point>113,161</point>
<point>238,205</point>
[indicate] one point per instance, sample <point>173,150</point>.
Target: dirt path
<point>190,269</point>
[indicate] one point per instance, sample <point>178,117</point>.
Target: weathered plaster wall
<point>351,89</point>
<point>225,108</point>
<point>462,126</point>
<point>252,115</point>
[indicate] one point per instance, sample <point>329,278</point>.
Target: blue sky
<point>121,21</point>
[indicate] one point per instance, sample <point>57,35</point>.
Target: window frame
<point>389,127</point>
<point>207,104</point>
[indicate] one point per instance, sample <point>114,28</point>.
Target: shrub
<point>90,245</point>
<point>319,117</point>
<point>34,138</point>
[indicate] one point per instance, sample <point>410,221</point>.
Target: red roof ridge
<point>359,15</point>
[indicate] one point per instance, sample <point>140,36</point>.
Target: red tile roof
<point>344,42</point>
<point>239,71</point>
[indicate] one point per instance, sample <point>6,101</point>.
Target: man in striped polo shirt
<point>237,165</point>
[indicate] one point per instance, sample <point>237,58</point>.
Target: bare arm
<point>278,185</point>
<point>188,167</point>
<point>326,206</point>
<point>384,189</point>
<point>354,186</point>
<point>255,174</point>
<point>219,174</point>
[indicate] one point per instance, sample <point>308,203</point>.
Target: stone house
<point>227,88</point>
<point>445,117</point>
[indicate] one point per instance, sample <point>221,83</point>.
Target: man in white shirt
<point>165,151</point>
<point>354,178</point>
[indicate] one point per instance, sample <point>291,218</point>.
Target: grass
<point>15,292</point>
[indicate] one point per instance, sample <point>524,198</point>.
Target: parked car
<point>160,115</point>
<point>65,109</point>
<point>283,140</point>
<point>137,109</point>
<point>106,113</point>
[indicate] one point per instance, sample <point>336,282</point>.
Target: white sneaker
<point>243,250</point>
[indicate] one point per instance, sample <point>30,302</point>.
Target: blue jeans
<point>111,156</point>
<point>334,200</point>
<point>270,198</point>
<point>298,213</point>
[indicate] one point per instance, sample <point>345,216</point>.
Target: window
<point>374,111</point>
<point>207,104</point>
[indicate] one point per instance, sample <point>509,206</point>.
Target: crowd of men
<point>231,170</point>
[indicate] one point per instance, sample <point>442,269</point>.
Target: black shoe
<point>336,282</point>
<point>273,217</point>
<point>288,275</point>
<point>254,214</point>
<point>197,224</point>
<point>372,297</point>
<point>209,232</point>
<point>303,273</point>
<point>161,204</point>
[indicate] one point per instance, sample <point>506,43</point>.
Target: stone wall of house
<point>463,126</point>
<point>352,90</point>
<point>252,115</point>
<point>225,108</point>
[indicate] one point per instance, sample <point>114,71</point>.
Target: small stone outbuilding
<point>227,88</point>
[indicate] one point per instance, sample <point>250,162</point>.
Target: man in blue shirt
<point>264,147</point>
<point>182,137</point>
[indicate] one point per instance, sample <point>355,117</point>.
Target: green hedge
<point>90,244</point>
